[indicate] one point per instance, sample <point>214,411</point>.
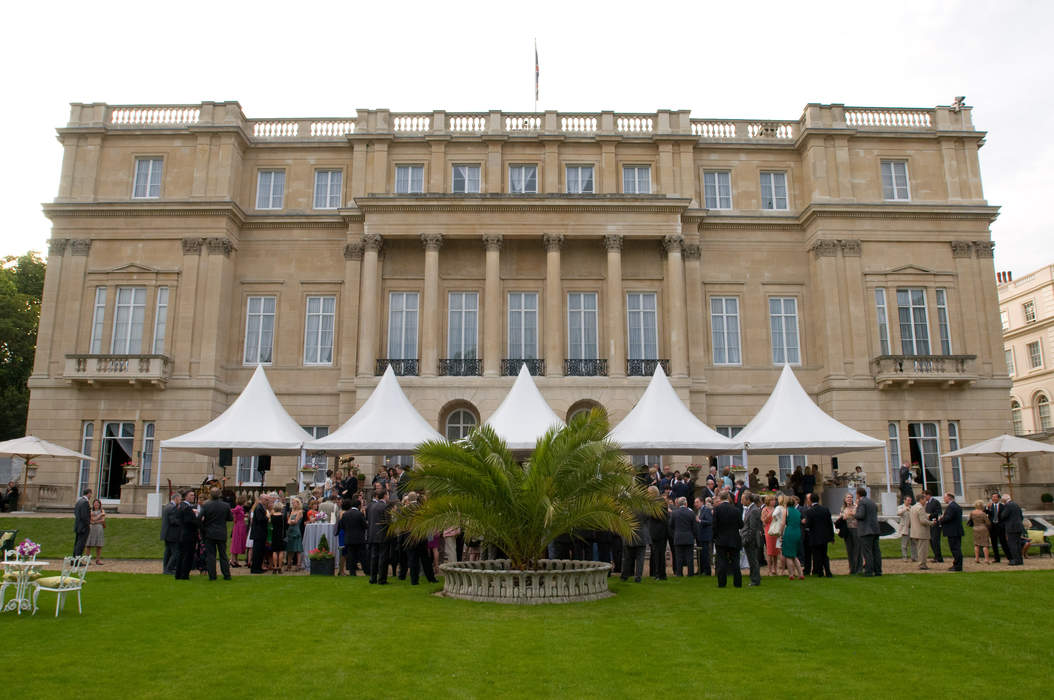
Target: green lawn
<point>142,635</point>
<point>126,538</point>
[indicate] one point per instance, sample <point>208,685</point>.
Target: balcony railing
<point>923,369</point>
<point>586,368</point>
<point>130,369</point>
<point>449,367</point>
<point>645,368</point>
<point>510,367</point>
<point>401,367</point>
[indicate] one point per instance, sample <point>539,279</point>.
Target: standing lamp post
<point>1008,470</point>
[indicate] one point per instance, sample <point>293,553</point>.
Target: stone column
<point>675,294</point>
<point>350,310</point>
<point>693,273</point>
<point>215,324</point>
<point>184,306</point>
<point>614,302</point>
<point>369,303</point>
<point>554,304</point>
<point>492,305</point>
<point>75,314</point>
<point>829,333</point>
<point>429,352</point>
<point>49,306</point>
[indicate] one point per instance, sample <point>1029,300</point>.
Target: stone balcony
<point>906,370</point>
<point>136,370</point>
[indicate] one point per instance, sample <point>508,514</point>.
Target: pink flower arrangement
<point>28,548</point>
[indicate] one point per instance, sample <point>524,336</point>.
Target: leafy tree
<point>21,288</point>
<point>574,480</point>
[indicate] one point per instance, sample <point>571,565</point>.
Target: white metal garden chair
<point>71,580</point>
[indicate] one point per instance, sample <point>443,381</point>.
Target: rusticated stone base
<point>556,581</point>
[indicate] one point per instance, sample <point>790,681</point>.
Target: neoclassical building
<point>1026,310</point>
<point>191,243</point>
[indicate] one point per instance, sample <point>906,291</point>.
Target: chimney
<point>1004,277</point>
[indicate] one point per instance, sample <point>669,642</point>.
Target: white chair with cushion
<point>71,580</point>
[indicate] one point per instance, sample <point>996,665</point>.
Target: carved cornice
<point>553,241</point>
<point>432,241</point>
<point>824,248</point>
<point>850,247</point>
<point>961,249</point>
<point>984,249</point>
<point>492,241</point>
<point>353,251</point>
<point>486,204</point>
<point>219,246</point>
<point>672,243</point>
<point>57,246</point>
<point>192,246</point>
<point>372,242</point>
<point>612,241</point>
<point>226,209</point>
<point>692,251</point>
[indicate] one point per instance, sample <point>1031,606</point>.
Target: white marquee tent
<point>660,423</point>
<point>523,415</point>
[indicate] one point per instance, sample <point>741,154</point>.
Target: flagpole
<point>536,74</point>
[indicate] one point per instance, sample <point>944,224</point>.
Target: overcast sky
<point>732,60</point>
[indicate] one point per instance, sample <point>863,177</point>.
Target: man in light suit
<point>867,530</point>
<point>215,514</point>
<point>728,521</point>
<point>1014,526</point>
<point>753,535</point>
<point>81,522</point>
<point>919,531</point>
<point>682,521</point>
<point>170,534</point>
<point>952,528</point>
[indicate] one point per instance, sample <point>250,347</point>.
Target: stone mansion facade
<point>191,243</point>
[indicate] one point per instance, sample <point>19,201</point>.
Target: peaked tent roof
<point>386,424</point>
<point>523,415</point>
<point>660,423</point>
<point>790,422</point>
<point>255,424</point>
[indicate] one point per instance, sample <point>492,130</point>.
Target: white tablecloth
<point>313,533</point>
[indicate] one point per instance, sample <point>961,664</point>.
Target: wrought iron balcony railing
<point>645,368</point>
<point>449,367</point>
<point>510,366</point>
<point>585,368</point>
<point>401,367</point>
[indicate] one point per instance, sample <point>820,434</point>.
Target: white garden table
<point>23,569</point>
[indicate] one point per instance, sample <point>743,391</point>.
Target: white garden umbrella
<point>28,447</point>
<point>1007,447</point>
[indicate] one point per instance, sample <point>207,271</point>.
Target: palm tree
<point>574,480</point>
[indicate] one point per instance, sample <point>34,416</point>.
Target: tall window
<point>259,330</point>
<point>523,325</point>
<point>788,463</point>
<point>773,190</point>
<point>1029,309</point>
<point>128,321</point>
<point>895,180</point>
<point>894,444</point>
<point>1043,412</point>
<point>1004,319</point>
<point>643,326</point>
<point>146,460</point>
<point>327,188</point>
<point>87,438</point>
<point>97,320</point>
<point>270,188</point>
<point>1015,418</point>
<point>636,179</point>
<point>459,424</point>
<point>318,330</point>
<point>1009,361</point>
<point>466,179</point>
<point>402,325</point>
<point>160,320</point>
<point>409,179</point>
<point>883,321</point>
<point>317,459</point>
<point>582,326</point>
<point>248,474</point>
<point>783,318</point>
<point>1035,355</point>
<point>924,445</point>
<point>717,189</point>
<point>117,440</point>
<point>729,431</point>
<point>579,179</point>
<point>523,179</point>
<point>147,178</point>
<point>942,322</point>
<point>957,467</point>
<point>724,326</point>
<point>914,326</point>
<point>463,317</point>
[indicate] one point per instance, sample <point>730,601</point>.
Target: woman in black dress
<point>278,527</point>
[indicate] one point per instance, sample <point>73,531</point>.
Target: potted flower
<point>321,559</point>
<point>28,549</point>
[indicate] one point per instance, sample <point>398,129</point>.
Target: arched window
<point>459,424</point>
<point>1043,412</point>
<point>1015,417</point>
<point>582,406</point>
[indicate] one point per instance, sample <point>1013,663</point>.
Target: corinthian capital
<point>672,242</point>
<point>492,241</point>
<point>553,241</point>
<point>57,246</point>
<point>613,241</point>
<point>372,242</point>
<point>219,246</point>
<point>432,241</point>
<point>353,251</point>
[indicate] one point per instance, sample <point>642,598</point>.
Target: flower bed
<point>556,581</point>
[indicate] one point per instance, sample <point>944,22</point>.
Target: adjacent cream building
<point>191,243</point>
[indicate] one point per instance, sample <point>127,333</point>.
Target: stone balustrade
<point>555,581</point>
<point>129,369</point>
<point>947,370</point>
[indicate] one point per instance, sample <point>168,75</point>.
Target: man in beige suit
<point>904,528</point>
<point>919,531</point>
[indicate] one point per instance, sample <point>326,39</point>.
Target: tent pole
<point>160,452</point>
<point>300,471</point>
<point>746,465</point>
<point>889,477</point>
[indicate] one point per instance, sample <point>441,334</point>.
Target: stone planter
<point>322,567</point>
<point>556,581</point>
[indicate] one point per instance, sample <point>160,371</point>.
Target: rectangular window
<point>87,438</point>
<point>259,330</point>
<point>783,318</point>
<point>128,321</point>
<point>97,320</point>
<point>643,326</point>
<point>1004,319</point>
<point>317,460</point>
<point>883,321</point>
<point>147,178</point>
<point>160,320</point>
<point>523,179</point>
<point>957,467</point>
<point>894,445</point>
<point>248,475</point>
<point>579,179</point>
<point>636,179</point>
<point>1029,308</point>
<point>924,445</point>
<point>270,188</point>
<point>409,179</point>
<point>717,189</point>
<point>942,322</point>
<point>773,190</point>
<point>1009,361</point>
<point>318,330</point>
<point>914,324</point>
<point>465,179</point>
<point>463,317</point>
<point>402,325</point>
<point>724,330</point>
<point>729,431</point>
<point>117,442</point>
<point>523,325</point>
<point>146,460</point>
<point>895,180</point>
<point>787,464</point>
<point>1035,355</point>
<point>328,184</point>
<point>582,326</point>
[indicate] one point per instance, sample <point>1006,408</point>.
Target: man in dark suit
<point>81,522</point>
<point>215,514</point>
<point>376,536</point>
<point>633,552</point>
<point>189,528</point>
<point>821,533</point>
<point>952,528</point>
<point>996,532</point>
<point>353,524</point>
<point>704,534</point>
<point>753,536</point>
<point>1014,526</point>
<point>258,533</point>
<point>728,521</point>
<point>905,483</point>
<point>933,511</point>
<point>170,534</point>
<point>682,527</point>
<point>867,530</point>
<point>658,531</point>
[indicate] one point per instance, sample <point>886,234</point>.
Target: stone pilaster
<point>429,351</point>
<point>554,304</point>
<point>615,305</point>
<point>492,306</point>
<point>368,302</point>
<point>672,243</point>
